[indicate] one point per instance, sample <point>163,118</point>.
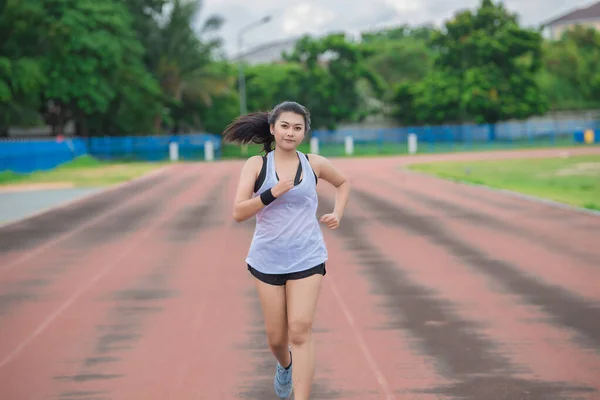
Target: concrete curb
<point>87,196</point>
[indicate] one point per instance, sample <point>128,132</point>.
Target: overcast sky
<point>294,18</point>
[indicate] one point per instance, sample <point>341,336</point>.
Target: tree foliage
<point>571,77</point>
<point>93,64</point>
<point>484,71</point>
<point>121,67</point>
<point>331,70</point>
<point>112,67</point>
<point>21,74</point>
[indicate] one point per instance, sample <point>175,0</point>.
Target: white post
<point>174,151</point>
<point>209,153</point>
<point>314,145</point>
<point>349,142</point>
<point>412,143</point>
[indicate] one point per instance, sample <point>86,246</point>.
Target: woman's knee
<point>300,331</point>
<point>277,338</point>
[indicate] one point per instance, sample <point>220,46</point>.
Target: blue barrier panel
<point>25,156</point>
<point>587,136</point>
<point>134,148</point>
<point>191,147</point>
<point>152,148</point>
<point>34,155</point>
<point>465,136</point>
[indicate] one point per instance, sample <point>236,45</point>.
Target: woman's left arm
<point>326,171</point>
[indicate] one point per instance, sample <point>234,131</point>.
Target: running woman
<point>287,255</point>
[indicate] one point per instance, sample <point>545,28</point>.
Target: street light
<point>242,79</point>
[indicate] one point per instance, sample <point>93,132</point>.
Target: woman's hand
<point>282,187</point>
<point>331,220</point>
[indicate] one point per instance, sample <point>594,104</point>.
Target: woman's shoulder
<point>315,159</point>
<point>254,161</point>
<point>253,164</point>
<point>314,156</point>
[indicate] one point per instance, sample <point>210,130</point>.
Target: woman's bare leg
<point>273,303</point>
<point>302,296</point>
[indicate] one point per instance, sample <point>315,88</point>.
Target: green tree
<point>402,57</point>
<point>270,84</point>
<point>434,100</point>
<point>114,67</point>
<point>333,70</point>
<point>223,109</point>
<point>491,61</point>
<point>398,61</point>
<point>93,63</point>
<point>21,74</point>
<point>571,77</point>
<point>146,16</point>
<point>498,60</point>
<point>184,63</point>
<point>209,111</point>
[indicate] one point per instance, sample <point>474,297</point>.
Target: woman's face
<point>288,130</point>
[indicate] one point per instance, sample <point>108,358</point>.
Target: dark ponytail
<point>256,127</point>
<point>251,128</point>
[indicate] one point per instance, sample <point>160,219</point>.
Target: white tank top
<point>287,237</point>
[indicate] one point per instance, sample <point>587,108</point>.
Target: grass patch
<point>574,180</point>
<point>84,171</point>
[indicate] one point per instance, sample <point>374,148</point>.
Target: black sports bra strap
<point>314,173</point>
<point>261,175</point>
<point>298,173</point>
<point>297,179</point>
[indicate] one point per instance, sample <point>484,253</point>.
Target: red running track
<point>435,290</point>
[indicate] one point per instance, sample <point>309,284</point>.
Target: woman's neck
<point>284,154</point>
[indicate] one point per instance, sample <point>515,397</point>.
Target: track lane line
<point>115,261</point>
<point>383,384</point>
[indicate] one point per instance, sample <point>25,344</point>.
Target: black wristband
<point>267,197</point>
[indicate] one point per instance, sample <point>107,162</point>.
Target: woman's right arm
<point>245,206</point>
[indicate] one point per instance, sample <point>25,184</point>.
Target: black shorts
<point>281,279</point>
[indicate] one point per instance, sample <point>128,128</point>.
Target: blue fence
<point>468,136</point>
<point>30,155</point>
<point>151,148</point>
<point>33,155</point>
<point>24,156</point>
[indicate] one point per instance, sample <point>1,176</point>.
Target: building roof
<point>267,52</point>
<point>590,12</point>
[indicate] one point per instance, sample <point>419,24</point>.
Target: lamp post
<point>242,79</point>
